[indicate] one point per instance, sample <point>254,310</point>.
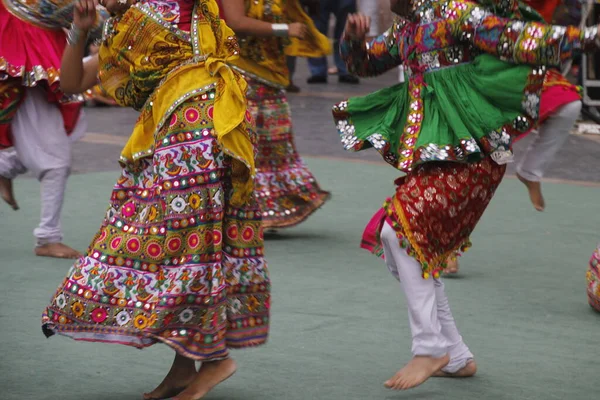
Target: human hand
<point>357,27</point>
<point>297,30</point>
<point>84,14</point>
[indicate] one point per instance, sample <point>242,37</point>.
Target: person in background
<point>340,9</point>
<point>38,122</point>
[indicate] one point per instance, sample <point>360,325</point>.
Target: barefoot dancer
<point>560,107</point>
<point>559,110</point>
<point>287,191</point>
<point>179,257</point>
<point>449,128</point>
<point>36,119</point>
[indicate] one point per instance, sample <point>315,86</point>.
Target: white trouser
<point>433,329</point>
<point>42,146</point>
<point>550,137</point>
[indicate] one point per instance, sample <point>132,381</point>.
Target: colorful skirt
<point>593,280</point>
<point>30,56</point>
<point>173,261</point>
<point>286,190</point>
<point>435,210</point>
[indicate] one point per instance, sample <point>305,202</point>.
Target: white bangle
<point>281,30</point>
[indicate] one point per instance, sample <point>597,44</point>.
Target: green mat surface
<point>339,325</point>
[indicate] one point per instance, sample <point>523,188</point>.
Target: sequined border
<point>257,78</point>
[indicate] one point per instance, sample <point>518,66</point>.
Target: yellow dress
<point>178,258</point>
<point>263,58</point>
<point>286,190</point>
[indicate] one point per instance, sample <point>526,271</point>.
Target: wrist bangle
<point>74,35</point>
<point>281,30</point>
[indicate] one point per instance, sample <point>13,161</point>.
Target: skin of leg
<point>544,147</point>
<point>10,167</point>
<point>429,346</point>
<point>182,373</point>
<point>210,375</point>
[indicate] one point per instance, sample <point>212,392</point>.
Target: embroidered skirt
<point>593,280</point>
<point>435,209</point>
<point>173,261</point>
<point>286,190</point>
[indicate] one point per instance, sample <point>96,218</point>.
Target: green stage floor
<point>339,326</point>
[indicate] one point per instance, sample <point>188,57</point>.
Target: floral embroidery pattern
<point>286,190</point>
<point>172,256</point>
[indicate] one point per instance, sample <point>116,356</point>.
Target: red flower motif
<point>99,315</point>
<point>128,209</point>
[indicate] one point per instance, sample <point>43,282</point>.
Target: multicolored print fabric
<point>286,190</point>
<point>593,280</point>
<point>173,261</point>
<point>462,62</point>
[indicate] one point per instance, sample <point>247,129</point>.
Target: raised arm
<point>518,41</point>
<point>373,58</point>
<point>236,19</point>
<point>77,76</point>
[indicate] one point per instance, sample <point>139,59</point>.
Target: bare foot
<point>417,371</point>
<point>332,71</point>
<point>465,372</point>
<point>452,265</point>
<point>56,250</point>
<point>173,384</point>
<point>6,192</point>
<point>210,375</point>
<point>535,193</point>
<point>182,373</point>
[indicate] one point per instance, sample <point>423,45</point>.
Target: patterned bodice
<point>441,34</point>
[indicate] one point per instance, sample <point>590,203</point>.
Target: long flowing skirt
<point>286,190</point>
<point>173,261</point>
<point>593,280</point>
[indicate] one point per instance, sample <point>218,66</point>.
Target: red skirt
<point>556,93</point>
<point>435,209</point>
<point>30,56</point>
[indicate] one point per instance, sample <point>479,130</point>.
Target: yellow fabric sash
<point>264,56</point>
<point>154,68</point>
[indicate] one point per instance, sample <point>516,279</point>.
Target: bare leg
<point>182,373</point>
<point>7,194</point>
<point>10,167</point>
<point>452,266</point>
<point>210,375</point>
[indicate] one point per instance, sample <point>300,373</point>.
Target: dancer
<point>449,128</point>
<point>560,107</point>
<point>38,123</point>
<point>593,280</point>
<point>179,257</point>
<point>287,191</point>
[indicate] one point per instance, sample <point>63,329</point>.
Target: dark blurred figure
<point>318,66</point>
<point>312,8</point>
